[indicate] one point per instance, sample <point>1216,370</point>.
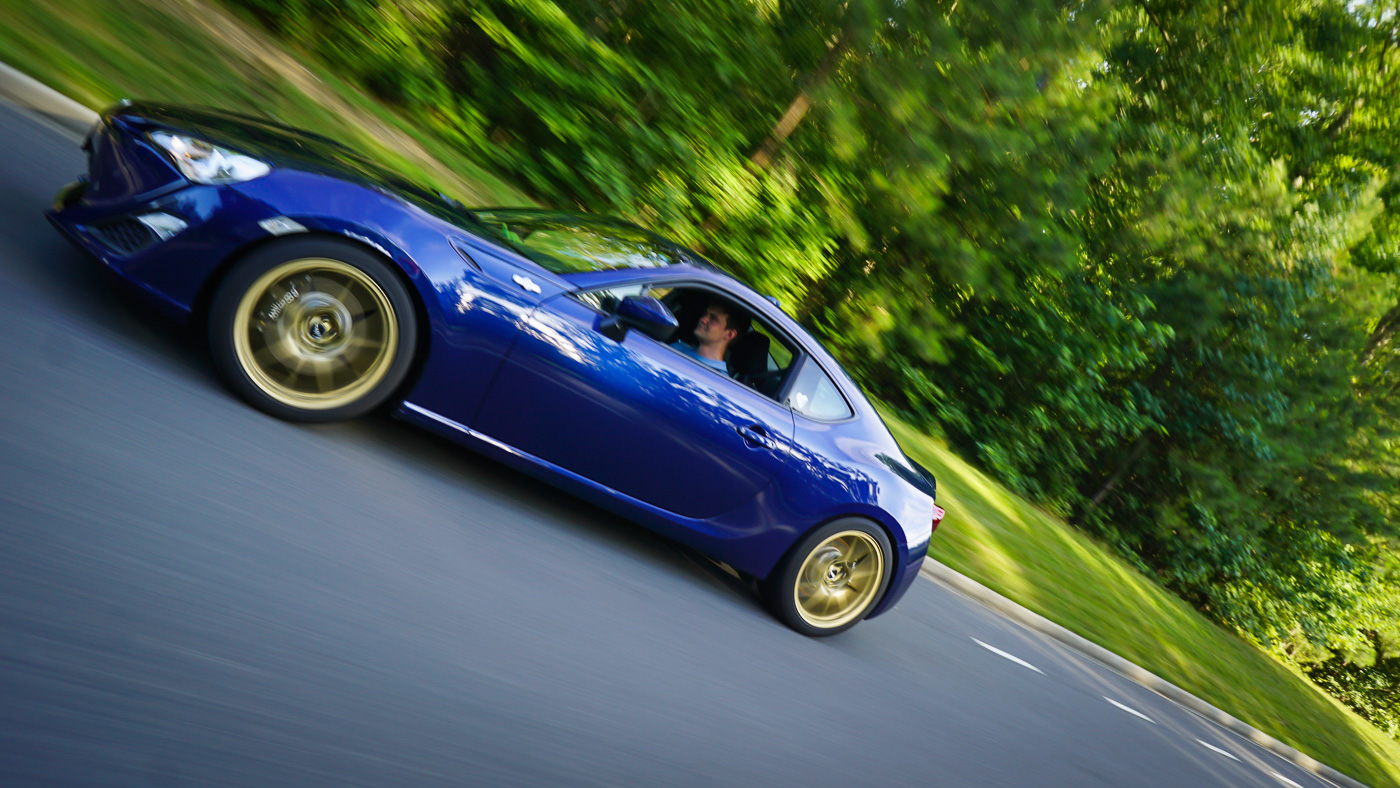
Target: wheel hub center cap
<point>322,321</point>
<point>837,574</point>
<point>322,328</point>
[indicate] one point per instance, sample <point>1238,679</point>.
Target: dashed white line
<point>1282,779</point>
<point>1226,753</point>
<point>1011,657</point>
<point>1130,710</point>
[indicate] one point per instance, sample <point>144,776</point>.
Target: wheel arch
<point>877,517</point>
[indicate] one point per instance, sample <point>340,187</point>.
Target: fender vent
<point>123,236</point>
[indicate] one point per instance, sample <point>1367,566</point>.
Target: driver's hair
<point>734,317</point>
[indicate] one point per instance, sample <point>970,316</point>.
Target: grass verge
<point>187,51</point>
<point>1010,546</point>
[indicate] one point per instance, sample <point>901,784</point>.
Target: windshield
<point>565,243</point>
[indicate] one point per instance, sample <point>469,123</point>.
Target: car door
<point>635,415</point>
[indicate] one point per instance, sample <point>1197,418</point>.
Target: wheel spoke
<point>837,599</point>
<point>289,357</point>
<point>325,376</point>
<point>860,551</point>
<point>265,356</point>
<point>862,574</point>
<point>333,288</point>
<point>846,598</point>
<point>354,307</point>
<point>298,365</point>
<point>359,342</point>
<point>346,362</point>
<point>362,315</point>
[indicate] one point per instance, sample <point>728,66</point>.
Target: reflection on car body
<point>329,287</point>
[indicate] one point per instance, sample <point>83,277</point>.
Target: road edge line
<point>968,587</point>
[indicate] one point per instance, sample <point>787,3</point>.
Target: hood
<point>279,145</point>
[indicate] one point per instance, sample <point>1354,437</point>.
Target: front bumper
<point>102,213</point>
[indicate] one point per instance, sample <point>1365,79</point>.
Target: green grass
<point>98,51</point>
<point>1045,565</point>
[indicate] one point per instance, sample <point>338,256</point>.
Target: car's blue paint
<point>482,310</point>
<point>131,171</point>
<point>633,415</point>
<point>647,314</point>
<point>517,368</point>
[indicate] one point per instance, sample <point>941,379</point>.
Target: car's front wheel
<point>313,329</point>
<point>831,579</point>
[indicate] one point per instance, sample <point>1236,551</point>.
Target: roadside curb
<point>975,590</point>
<point>25,91</point>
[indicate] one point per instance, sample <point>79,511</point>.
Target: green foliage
<point>1364,669</point>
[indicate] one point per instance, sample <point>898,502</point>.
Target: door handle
<point>756,438</point>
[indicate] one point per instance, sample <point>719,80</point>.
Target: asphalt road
<point>194,593</point>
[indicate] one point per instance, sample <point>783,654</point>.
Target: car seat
<point>748,358</point>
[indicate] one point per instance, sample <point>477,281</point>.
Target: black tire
<point>816,589</point>
<point>313,329</point>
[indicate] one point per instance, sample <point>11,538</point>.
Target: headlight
<point>203,162</point>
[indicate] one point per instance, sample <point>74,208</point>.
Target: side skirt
<point>687,531</point>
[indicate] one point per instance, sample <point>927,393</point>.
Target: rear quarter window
<point>815,396</point>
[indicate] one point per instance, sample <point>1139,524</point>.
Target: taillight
<point>938,515</point>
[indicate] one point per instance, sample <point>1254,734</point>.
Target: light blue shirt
<point>693,352</point>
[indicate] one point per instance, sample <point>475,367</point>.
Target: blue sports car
<point>589,352</point>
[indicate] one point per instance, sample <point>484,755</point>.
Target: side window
<point>816,397</point>
<point>779,355</point>
<point>761,358</point>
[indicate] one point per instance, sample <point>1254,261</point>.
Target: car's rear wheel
<point>313,329</point>
<point>831,579</point>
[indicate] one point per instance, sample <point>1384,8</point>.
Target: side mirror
<point>644,313</point>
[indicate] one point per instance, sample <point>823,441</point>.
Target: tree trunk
<point>1384,333</point>
<point>1139,446</point>
<point>763,157</point>
<point>1159,376</point>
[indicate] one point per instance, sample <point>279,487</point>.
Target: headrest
<point>748,355</point>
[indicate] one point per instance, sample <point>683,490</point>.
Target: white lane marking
<point>1217,749</point>
<point>1282,779</point>
<point>1011,657</point>
<point>1130,710</point>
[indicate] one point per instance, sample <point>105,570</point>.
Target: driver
<point>720,325</point>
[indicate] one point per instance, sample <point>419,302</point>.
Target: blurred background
<point>1136,262</point>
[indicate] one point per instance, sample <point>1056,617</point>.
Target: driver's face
<point>713,326</point>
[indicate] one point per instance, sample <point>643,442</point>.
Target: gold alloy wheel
<point>315,333</point>
<point>838,581</point>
